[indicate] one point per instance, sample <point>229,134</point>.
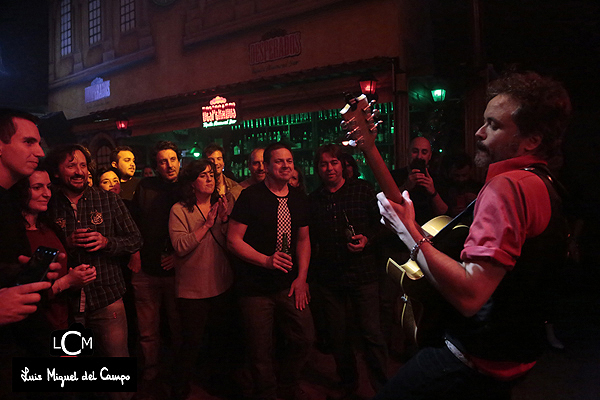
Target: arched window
<point>103,156</point>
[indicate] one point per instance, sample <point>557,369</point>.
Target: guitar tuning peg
<point>344,125</point>
<point>349,141</point>
<point>373,129</point>
<point>376,114</point>
<point>352,142</point>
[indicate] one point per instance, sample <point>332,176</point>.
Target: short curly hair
<point>59,154</point>
<point>544,107</point>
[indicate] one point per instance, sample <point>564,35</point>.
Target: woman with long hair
<point>203,275</point>
<point>34,193</point>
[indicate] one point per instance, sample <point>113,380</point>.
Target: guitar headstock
<point>359,122</point>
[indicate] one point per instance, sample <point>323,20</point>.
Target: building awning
<point>179,105</point>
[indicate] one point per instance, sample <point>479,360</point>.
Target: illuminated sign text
<point>99,89</point>
<point>219,112</point>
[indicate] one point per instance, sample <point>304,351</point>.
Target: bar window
<point>95,21</point>
<point>66,28</point>
<point>127,15</point>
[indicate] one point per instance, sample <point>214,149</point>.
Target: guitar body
<point>425,313</point>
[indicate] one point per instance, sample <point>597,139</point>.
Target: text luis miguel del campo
<point>72,369</point>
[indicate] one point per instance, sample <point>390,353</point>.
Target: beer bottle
<point>285,246</point>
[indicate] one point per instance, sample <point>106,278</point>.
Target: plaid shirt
<point>332,264</point>
<point>106,213</point>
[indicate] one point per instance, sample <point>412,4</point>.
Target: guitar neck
<point>363,131</point>
<point>382,174</point>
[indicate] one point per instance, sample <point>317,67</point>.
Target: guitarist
<point>515,242</point>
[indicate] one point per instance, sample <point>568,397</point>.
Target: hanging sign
<point>218,113</point>
<point>99,89</point>
<point>283,45</point>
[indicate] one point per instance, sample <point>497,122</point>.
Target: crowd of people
<point>253,274</point>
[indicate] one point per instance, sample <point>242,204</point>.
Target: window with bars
<point>127,15</point>
<point>66,28</point>
<point>95,21</point>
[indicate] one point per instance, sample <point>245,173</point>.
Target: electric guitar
<point>425,312</point>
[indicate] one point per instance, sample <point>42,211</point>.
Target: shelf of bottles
<point>305,132</point>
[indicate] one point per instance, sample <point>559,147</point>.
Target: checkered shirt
<point>332,264</point>
<point>107,213</point>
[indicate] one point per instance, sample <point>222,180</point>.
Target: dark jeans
<point>364,302</point>
<point>196,315</point>
<point>259,314</point>
<point>435,373</point>
<point>151,293</point>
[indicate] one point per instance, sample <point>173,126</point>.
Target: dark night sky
<point>24,54</point>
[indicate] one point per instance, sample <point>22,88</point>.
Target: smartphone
<point>37,267</point>
<point>419,163</point>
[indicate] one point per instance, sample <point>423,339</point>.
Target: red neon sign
<point>219,112</point>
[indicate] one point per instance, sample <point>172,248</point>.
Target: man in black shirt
<point>154,284</point>
<point>123,161</point>
<point>267,218</point>
<point>20,152</point>
<point>416,178</point>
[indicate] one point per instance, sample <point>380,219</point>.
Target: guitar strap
<point>544,173</point>
<point>539,169</point>
<point>464,215</point>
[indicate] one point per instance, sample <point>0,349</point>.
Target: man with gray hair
<point>256,166</point>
